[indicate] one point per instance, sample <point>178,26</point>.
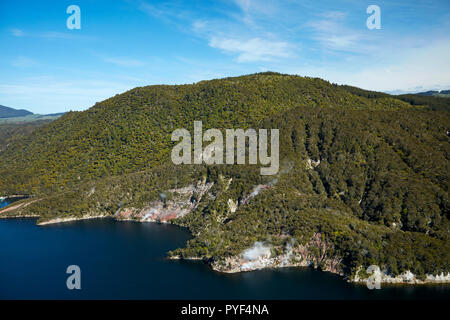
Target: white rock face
<point>232,205</point>
<point>178,206</point>
<point>438,278</point>
<point>312,164</point>
<point>67,219</point>
<point>406,277</point>
<point>260,256</point>
<point>260,263</point>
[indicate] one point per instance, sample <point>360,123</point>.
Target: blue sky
<point>45,67</point>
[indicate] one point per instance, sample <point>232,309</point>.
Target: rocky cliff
<point>315,253</point>
<point>175,203</point>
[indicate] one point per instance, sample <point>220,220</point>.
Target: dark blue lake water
<point>126,260</point>
<point>4,203</point>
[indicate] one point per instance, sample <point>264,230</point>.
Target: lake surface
<point>4,203</point>
<point>126,260</point>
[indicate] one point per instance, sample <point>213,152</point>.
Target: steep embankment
<point>367,174</point>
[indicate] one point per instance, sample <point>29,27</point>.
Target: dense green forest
<point>378,192</point>
<point>11,132</point>
<point>432,102</point>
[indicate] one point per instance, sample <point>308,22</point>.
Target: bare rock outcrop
<point>178,203</point>
<point>260,255</point>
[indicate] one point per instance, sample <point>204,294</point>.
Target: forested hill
<point>368,172</point>
<point>432,102</point>
<point>131,131</point>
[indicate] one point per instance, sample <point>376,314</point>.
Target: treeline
<point>379,194</point>
<point>441,103</point>
<point>366,170</point>
<point>15,132</point>
<point>131,131</point>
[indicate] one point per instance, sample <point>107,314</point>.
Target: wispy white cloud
<point>17,32</point>
<point>416,69</point>
<point>244,4</point>
<point>120,61</point>
<point>225,32</point>
<point>334,14</point>
<point>330,30</point>
<point>48,34</point>
<point>22,61</point>
<point>259,7</point>
<point>168,11</point>
<point>427,67</point>
<point>255,49</point>
<point>199,25</point>
<point>124,62</point>
<point>304,37</point>
<point>56,35</point>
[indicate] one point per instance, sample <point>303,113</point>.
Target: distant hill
<point>10,115</point>
<point>18,124</point>
<point>433,93</point>
<point>7,112</point>
<point>428,93</point>
<point>31,118</point>
<point>439,101</point>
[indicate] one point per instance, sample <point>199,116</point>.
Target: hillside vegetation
<point>377,190</point>
<point>11,132</point>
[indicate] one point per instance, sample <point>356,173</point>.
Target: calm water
<point>4,203</point>
<point>126,260</point>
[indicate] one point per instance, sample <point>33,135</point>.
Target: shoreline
<point>69,219</point>
<point>401,280</point>
<point>19,216</point>
<point>15,196</point>
<point>385,279</point>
